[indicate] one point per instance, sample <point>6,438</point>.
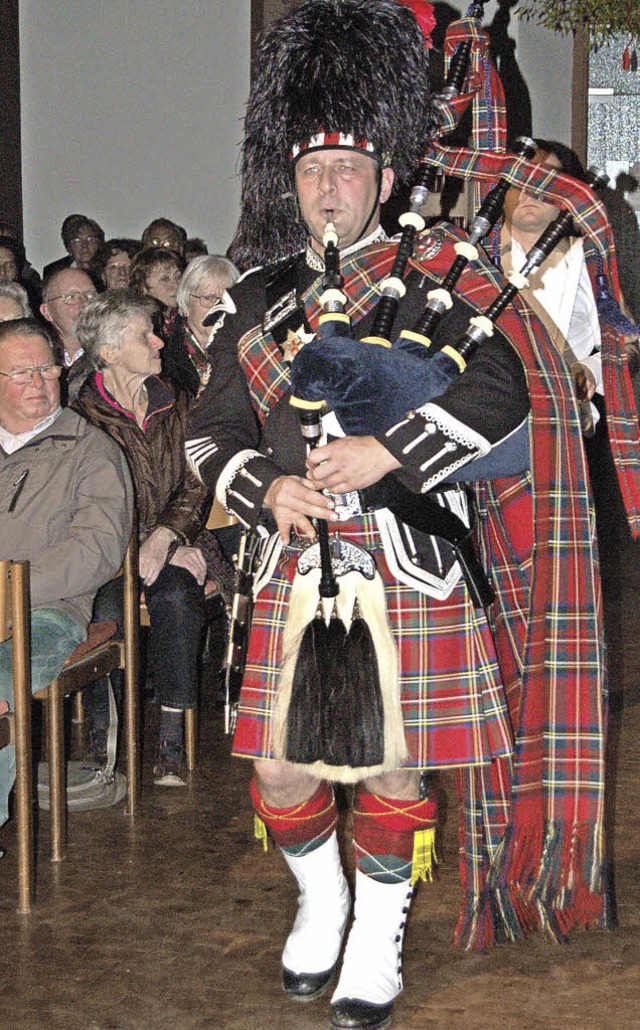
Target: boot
<point>371,976</point>
<point>311,952</point>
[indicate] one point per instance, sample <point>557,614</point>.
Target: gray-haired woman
<point>203,287</point>
<point>14,302</point>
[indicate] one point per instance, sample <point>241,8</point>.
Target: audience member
<point>146,415</point>
<point>12,262</point>
<point>112,262</point>
<point>195,248</point>
<point>68,509</point>
<point>9,264</point>
<point>81,236</point>
<point>156,272</point>
<point>204,283</point>
<point>162,232</point>
<point>14,302</point>
<point>64,295</point>
<point>27,275</point>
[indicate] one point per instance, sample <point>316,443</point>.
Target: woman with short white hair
<point>201,290</point>
<point>14,302</point>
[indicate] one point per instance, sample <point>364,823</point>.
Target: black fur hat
<point>358,67</point>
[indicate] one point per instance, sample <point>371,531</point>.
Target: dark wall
<point>10,158</point>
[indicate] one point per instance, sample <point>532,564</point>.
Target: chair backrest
<point>219,518</point>
<point>15,622</point>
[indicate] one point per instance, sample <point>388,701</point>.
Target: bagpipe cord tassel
<point>609,310</point>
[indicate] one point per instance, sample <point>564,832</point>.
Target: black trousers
<point>177,615</point>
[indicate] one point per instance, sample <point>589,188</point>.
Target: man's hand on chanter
<point>294,501</point>
<point>351,463</point>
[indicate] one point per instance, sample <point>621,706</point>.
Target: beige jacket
<point>66,504</point>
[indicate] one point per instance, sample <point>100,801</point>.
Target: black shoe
<point>305,986</point>
<point>351,1014</point>
<point>170,770</point>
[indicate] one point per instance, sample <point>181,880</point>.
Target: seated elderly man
<point>67,508</point>
<point>64,294</point>
<point>146,415</point>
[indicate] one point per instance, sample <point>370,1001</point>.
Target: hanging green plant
<point>603,18</point>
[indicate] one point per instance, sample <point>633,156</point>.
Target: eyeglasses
<point>84,239</point>
<point>76,297</point>
<point>25,376</point>
<point>170,243</point>
<point>207,300</point>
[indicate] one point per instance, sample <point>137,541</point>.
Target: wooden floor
<point>176,922</point>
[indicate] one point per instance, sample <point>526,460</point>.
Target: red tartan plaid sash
<point>259,355</point>
<point>590,215</point>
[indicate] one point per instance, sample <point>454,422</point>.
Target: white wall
<point>132,109</point>
<point>546,62</point>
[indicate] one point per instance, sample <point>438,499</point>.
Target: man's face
<point>78,289</point>
<point>340,186</point>
<point>83,246</point>
<point>139,351</point>
<point>165,237</point>
<point>8,266</point>
<point>523,213</point>
<point>23,407</point>
<point>116,271</point>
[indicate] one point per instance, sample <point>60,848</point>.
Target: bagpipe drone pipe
<point>371,384</point>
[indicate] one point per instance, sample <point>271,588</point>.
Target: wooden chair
<point>94,658</point>
<point>15,727</point>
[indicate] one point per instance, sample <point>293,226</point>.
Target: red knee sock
<point>394,840</point>
<point>301,828</point>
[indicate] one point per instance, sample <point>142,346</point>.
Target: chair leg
<point>132,728</point>
<point>57,790</point>
<point>78,708</point>
<point>24,804</point>
<point>22,735</point>
<point>191,736</point>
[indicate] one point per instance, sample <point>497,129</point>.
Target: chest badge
<point>294,341</point>
<point>428,246</point>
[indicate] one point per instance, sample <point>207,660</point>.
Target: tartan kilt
<point>453,703</point>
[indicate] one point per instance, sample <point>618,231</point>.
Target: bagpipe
<point>338,696</point>
<point>338,703</point>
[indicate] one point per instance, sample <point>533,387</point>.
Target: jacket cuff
<point>243,483</point>
<point>430,444</point>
